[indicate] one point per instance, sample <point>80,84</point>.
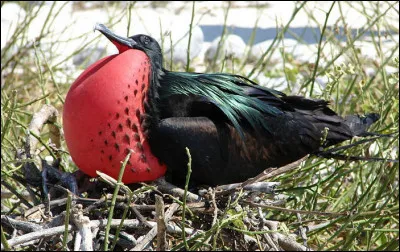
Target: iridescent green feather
<point>230,93</point>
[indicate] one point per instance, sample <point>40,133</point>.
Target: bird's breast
<point>103,118</point>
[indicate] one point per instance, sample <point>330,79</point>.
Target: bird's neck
<point>143,119</point>
<point>149,101</point>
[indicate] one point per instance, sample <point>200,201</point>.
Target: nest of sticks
<point>103,214</point>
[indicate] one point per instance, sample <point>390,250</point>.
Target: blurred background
<point>236,33</point>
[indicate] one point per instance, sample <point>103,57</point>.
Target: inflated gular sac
<point>102,118</point>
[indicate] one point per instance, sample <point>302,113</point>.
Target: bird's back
<point>286,129</point>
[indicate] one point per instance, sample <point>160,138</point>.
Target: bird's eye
<point>145,40</point>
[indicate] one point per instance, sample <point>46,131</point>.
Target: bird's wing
<point>245,105</point>
<point>169,140</point>
<point>238,98</point>
<point>219,155</point>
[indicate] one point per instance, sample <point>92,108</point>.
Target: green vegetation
<point>342,205</point>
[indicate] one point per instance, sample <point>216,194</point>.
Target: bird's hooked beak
<point>121,43</point>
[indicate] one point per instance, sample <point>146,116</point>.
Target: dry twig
<point>161,225</point>
<point>286,242</point>
<point>266,174</point>
<point>169,188</point>
<point>153,232</point>
<point>84,238</point>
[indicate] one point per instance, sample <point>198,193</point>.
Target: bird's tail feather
<point>359,124</point>
<point>354,158</point>
<point>332,152</point>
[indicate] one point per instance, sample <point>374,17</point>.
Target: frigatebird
<point>233,127</point>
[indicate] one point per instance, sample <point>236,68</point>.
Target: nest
<point>106,214</point>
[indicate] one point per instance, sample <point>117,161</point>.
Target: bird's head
<point>141,42</point>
